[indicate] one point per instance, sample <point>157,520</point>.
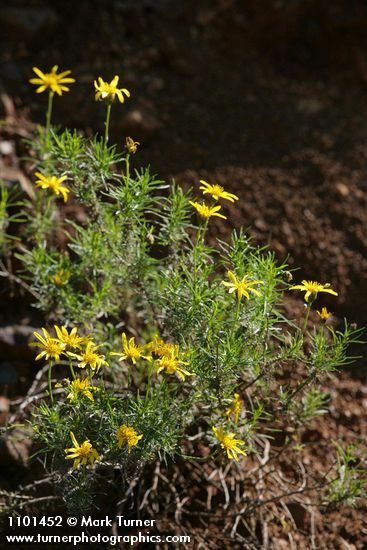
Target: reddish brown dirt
<point>265,98</point>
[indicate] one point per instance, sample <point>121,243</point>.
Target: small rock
<point>6,147</point>
<point>260,224</point>
<point>342,189</point>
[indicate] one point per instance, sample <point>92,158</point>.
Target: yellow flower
<point>171,365</point>
<point>131,145</point>
<point>53,81</point>
<point>229,443</point>
<point>312,288</point>
<point>61,277</point>
<point>81,453</point>
<point>324,314</point>
<point>161,348</point>
<point>235,407</point>
<point>217,191</point>
<point>107,92</point>
<point>72,340</point>
<point>130,350</point>
<point>127,435</point>
<point>52,348</point>
<point>89,357</point>
<point>54,183</point>
<point>242,287</point>
<point>206,211</point>
<point>80,387</point>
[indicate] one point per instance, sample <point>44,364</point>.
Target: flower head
<point>127,435</point>
<point>71,340</point>
<point>172,365</point>
<point>131,145</point>
<point>107,91</point>
<point>229,443</point>
<point>243,286</point>
<point>89,357</point>
<point>205,212</point>
<point>54,183</point>
<point>52,348</point>
<point>235,407</point>
<point>81,453</point>
<point>217,191</point>
<point>79,388</point>
<point>161,348</point>
<point>324,314</point>
<point>61,277</point>
<point>312,288</point>
<point>130,350</point>
<point>53,81</point>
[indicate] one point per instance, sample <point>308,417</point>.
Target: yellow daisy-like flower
<point>54,183</point>
<point>235,407</point>
<point>61,277</point>
<point>229,443</point>
<point>161,348</point>
<point>171,365</point>
<point>52,348</point>
<point>52,81</point>
<point>217,191</point>
<point>89,357</point>
<point>127,436</point>
<point>131,145</point>
<point>312,288</point>
<point>205,212</point>
<point>107,91</point>
<point>324,314</point>
<point>130,351</point>
<point>243,286</point>
<point>79,388</point>
<point>83,453</point>
<point>71,340</point>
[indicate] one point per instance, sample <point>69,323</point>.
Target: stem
<point>204,228</point>
<point>237,310</point>
<point>127,164</point>
<point>219,393</point>
<point>149,382</point>
<point>129,367</point>
<point>306,318</point>
<point>50,382</point>
<point>49,112</point>
<point>71,369</point>
<point>107,124</point>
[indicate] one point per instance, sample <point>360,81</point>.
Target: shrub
<point>153,331</point>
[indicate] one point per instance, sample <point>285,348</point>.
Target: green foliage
<point>9,214</point>
<point>126,257</point>
<point>349,485</point>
